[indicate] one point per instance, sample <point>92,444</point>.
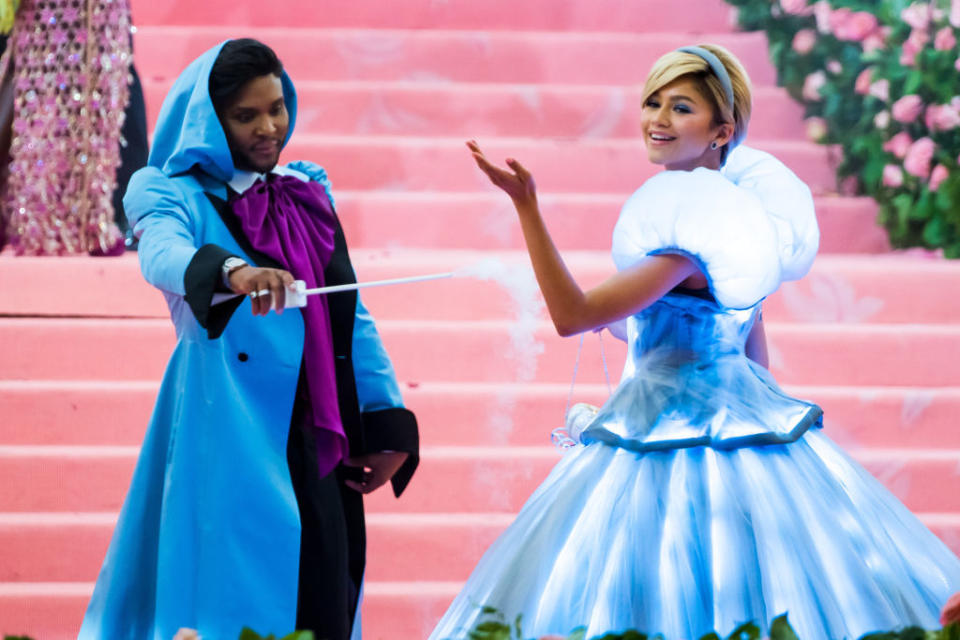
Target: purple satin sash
<point>291,221</point>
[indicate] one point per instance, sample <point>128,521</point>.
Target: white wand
<point>297,296</point>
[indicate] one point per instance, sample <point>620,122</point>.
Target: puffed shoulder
<point>703,215</point>
<point>316,173</point>
<point>787,201</point>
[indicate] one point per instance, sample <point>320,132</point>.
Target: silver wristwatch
<point>229,266</point>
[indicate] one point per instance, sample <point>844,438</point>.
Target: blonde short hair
<point>676,64</point>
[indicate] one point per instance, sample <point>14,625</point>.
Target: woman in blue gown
<point>700,495</point>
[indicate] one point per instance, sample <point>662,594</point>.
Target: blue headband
<point>718,70</point>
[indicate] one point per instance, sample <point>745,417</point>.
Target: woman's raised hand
<point>518,183</point>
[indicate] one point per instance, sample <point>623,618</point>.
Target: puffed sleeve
<point>703,215</point>
<point>787,201</point>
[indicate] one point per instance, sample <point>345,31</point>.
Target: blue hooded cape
<point>209,534</point>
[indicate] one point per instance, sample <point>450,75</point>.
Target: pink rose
<point>816,128</point>
<point>944,40</point>
<point>882,120</point>
<point>838,19</point>
<point>834,66</point>
<point>862,83</point>
<point>951,610</point>
<point>873,42</point>
<point>917,15</point>
<point>796,7</point>
<point>937,176</point>
<point>919,155</point>
<point>956,65</point>
<point>853,26</point>
<point>822,12</point>
<point>880,89</point>
<point>812,85</point>
<point>892,176</point>
<point>804,41</point>
<point>913,45</point>
<point>955,13</point>
<point>898,145</point>
<point>941,117</point>
<point>907,108</point>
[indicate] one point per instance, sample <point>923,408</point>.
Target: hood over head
<point>188,133</point>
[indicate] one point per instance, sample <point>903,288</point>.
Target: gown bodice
<point>688,382</point>
<point>690,324</point>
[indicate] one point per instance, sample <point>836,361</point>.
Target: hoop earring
<point>713,145</point>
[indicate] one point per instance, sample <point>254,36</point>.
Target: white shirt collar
<point>243,180</point>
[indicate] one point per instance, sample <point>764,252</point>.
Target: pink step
<point>464,414</point>
<point>399,222</point>
<point>559,166</point>
<point>435,109</point>
<point>841,289</point>
<point>638,16</point>
<point>486,220</point>
<point>450,55</point>
<point>54,611</point>
<point>426,546</point>
<point>827,354</point>
<point>821,354</point>
<point>71,547</point>
<point>41,479</point>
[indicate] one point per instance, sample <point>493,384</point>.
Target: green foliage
<point>17,638</point>
<point>917,212</point>
<point>492,626</point>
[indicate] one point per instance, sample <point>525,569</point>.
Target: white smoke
<point>527,306</point>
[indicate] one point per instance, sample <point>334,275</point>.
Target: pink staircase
<point>388,92</point>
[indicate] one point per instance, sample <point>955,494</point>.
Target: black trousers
<point>332,540</point>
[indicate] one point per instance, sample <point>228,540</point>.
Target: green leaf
<point>913,83</point>
<point>580,633</point>
<point>299,635</point>
<point>934,232</point>
<point>951,631</point>
<point>780,629</point>
<point>249,634</point>
<point>746,631</point>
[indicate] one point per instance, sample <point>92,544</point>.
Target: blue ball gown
<point>700,495</point>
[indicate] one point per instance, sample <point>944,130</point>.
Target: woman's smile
<point>679,125</point>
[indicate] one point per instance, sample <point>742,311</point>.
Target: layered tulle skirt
<point>690,540</point>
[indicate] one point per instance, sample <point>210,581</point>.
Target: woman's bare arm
<point>572,309</point>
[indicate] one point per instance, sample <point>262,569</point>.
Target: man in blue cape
<point>246,508</point>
